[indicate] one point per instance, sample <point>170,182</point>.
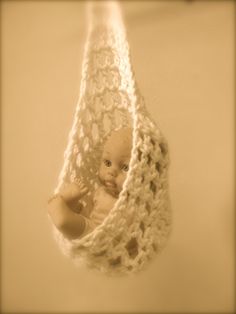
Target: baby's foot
<point>74,191</point>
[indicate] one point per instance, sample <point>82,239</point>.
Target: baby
<point>112,174</point>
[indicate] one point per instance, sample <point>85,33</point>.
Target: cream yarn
<point>139,224</point>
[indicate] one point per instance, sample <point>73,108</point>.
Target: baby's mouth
<point>110,184</point>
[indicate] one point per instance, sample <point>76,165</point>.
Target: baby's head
<point>115,160</point>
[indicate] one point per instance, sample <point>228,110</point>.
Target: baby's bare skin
<point>74,191</point>
<point>112,174</point>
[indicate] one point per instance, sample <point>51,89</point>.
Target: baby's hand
<point>74,191</point>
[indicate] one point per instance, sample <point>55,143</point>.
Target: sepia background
<point>183,57</point>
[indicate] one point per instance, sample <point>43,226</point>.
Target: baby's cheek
<point>100,172</point>
<point>121,180</point>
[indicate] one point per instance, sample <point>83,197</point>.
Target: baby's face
<point>115,161</point>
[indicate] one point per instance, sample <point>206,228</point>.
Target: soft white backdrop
<point>183,56</point>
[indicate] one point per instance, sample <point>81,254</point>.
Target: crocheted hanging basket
<point>138,226</point>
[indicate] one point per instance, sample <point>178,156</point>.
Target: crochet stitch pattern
<point>139,224</point>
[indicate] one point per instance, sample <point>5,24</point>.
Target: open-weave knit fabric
<point>138,226</point>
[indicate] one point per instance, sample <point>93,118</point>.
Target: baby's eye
<point>107,163</point>
<point>125,167</point>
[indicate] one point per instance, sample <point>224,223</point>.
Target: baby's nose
<point>112,171</point>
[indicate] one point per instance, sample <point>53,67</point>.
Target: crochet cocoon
<point>138,226</point>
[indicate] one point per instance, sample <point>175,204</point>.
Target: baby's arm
<point>60,209</point>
